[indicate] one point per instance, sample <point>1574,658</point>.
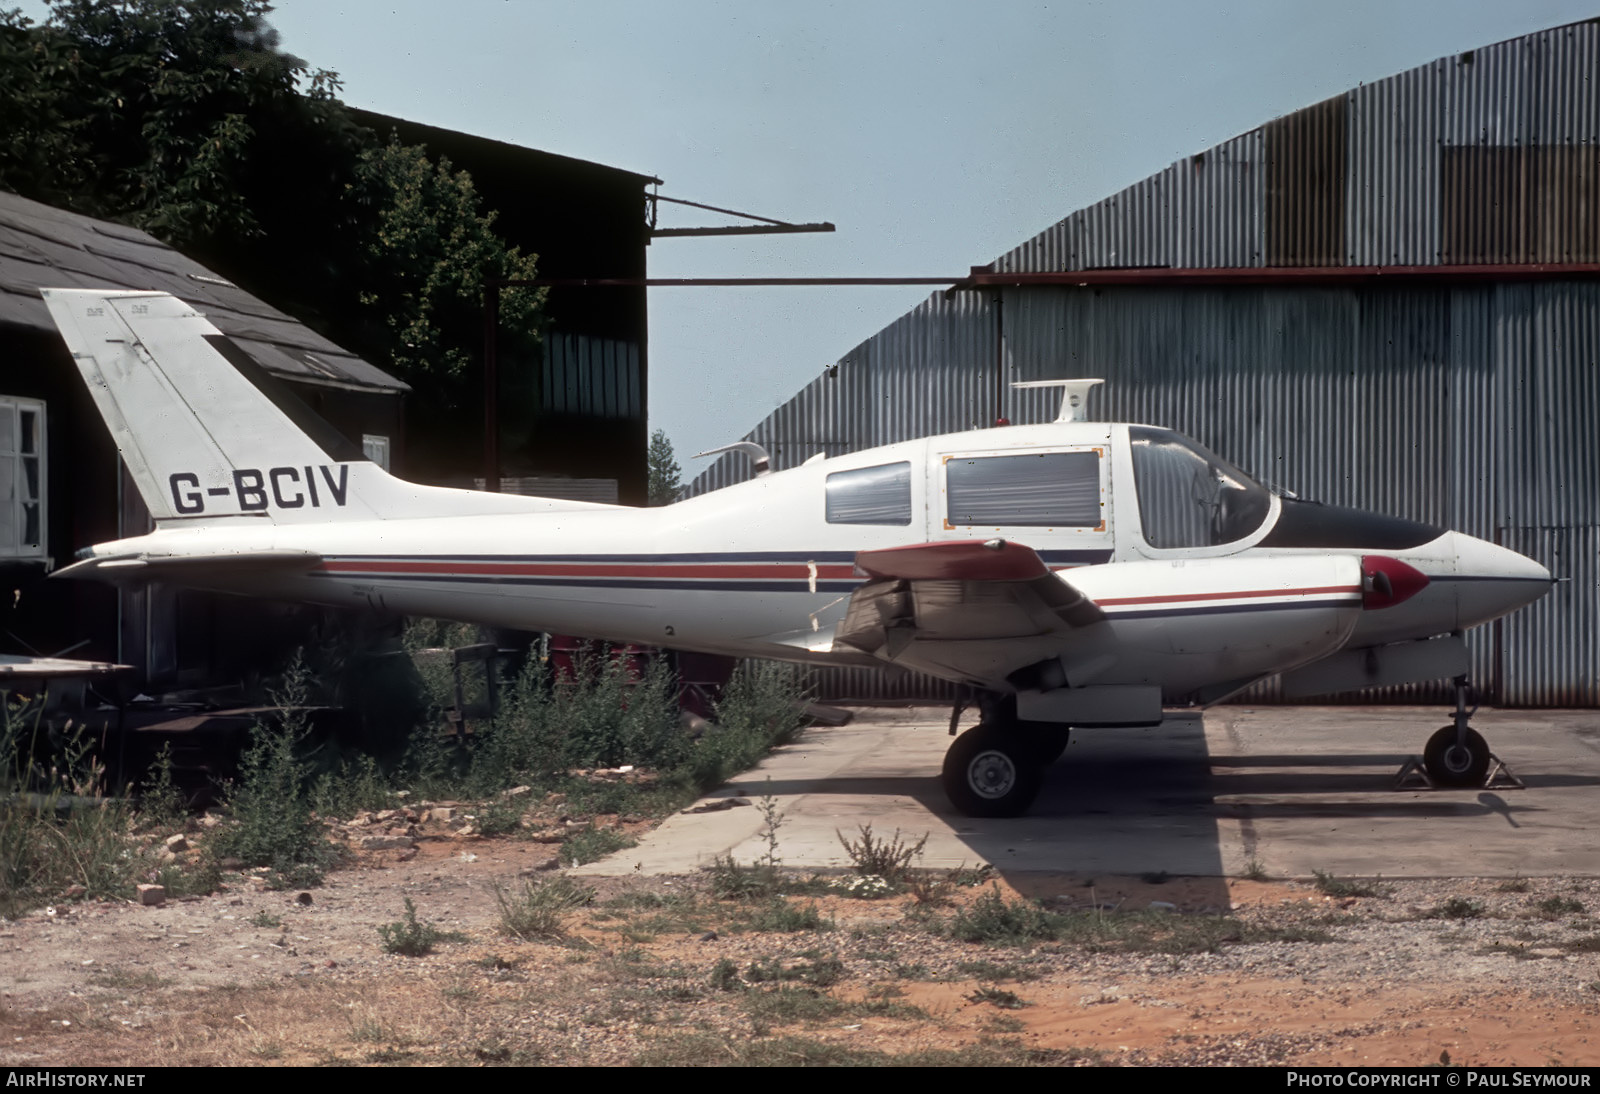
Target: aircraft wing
<point>930,600</point>
<point>190,568</point>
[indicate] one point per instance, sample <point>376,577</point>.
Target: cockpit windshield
<point>1189,496</point>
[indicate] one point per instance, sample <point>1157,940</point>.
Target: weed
<point>997,997</point>
<point>161,803</point>
<point>786,1004</point>
<point>352,788</point>
<point>889,859</point>
<point>992,918</point>
<point>761,707</point>
<point>1005,1023</point>
<point>411,937</point>
<point>1458,907</point>
<point>265,918</point>
<point>988,970</point>
<point>1515,885</point>
<point>773,817</point>
<point>1329,885</point>
<point>928,889</point>
<point>819,971</point>
<point>729,880</point>
<point>725,976</point>
<point>1254,871</point>
<point>273,823</point>
<point>1557,906</point>
<point>779,914</point>
<point>591,843</point>
<point>538,910</point>
<point>712,1049</point>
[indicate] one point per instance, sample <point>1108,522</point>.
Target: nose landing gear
<point>1457,755</point>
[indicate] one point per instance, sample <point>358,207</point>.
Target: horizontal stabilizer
<point>187,568</point>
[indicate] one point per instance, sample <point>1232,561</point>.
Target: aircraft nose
<point>1492,580</point>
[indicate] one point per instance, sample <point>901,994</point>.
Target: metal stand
<point>1413,776</point>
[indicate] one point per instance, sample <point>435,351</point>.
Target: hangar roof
<point>45,247</point>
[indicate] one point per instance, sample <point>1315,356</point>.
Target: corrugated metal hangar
<point>1390,299</point>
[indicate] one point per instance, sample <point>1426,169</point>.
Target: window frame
<point>1099,451</point>
<point>15,549</point>
<point>860,473</point>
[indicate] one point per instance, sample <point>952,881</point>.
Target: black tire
<point>992,772</point>
<point>1450,764</point>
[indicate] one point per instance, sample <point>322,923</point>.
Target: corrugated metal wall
<point>1469,405</point>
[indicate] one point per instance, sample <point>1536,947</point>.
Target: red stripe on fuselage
<point>1192,597</point>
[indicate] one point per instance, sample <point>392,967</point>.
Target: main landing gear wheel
<point>991,771</point>
<point>1453,763</point>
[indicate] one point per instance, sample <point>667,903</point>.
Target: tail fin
<point>205,432</point>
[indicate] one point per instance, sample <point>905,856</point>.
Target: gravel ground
<point>657,970</point>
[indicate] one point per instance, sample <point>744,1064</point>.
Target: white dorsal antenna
<point>759,460</point>
<point>1074,400</point>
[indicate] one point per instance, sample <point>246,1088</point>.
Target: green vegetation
<point>167,114</point>
<point>538,911</point>
<point>58,838</point>
<point>993,919</point>
<point>1457,907</point>
<point>664,474</point>
<point>727,1050</point>
<point>1338,887</point>
<point>273,822</point>
<point>889,859</point>
<point>411,937</point>
<point>1557,906</point>
<point>593,843</point>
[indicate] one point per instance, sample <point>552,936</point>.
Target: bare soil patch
<point>658,970</point>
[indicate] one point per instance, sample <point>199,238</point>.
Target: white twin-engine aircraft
<point>1071,574</point>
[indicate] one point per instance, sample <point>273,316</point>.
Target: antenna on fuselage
<point>1074,400</point>
<point>760,462</point>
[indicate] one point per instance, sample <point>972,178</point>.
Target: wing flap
<point>961,591</point>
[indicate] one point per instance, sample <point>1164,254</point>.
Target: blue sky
<point>935,134</point>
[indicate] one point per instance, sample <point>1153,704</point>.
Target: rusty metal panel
<point>1305,193</point>
<point>1393,155</point>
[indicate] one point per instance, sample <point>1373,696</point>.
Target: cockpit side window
<point>1189,496</point>
<point>870,495</point>
<point>1044,489</point>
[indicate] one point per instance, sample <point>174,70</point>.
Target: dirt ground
<point>657,970</point>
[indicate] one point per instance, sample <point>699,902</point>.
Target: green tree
<point>427,245</point>
<point>180,117</point>
<point>664,472</point>
<point>185,119</point>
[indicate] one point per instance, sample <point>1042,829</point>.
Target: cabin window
<point>1190,496</point>
<point>870,495</point>
<point>22,478</point>
<point>1043,489</point>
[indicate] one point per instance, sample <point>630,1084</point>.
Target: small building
<point>580,412</point>
<point>62,486</point>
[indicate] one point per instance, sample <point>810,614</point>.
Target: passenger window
<point>870,495</point>
<point>1047,489</point>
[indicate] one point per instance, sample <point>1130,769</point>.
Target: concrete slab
<point>1295,789</point>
